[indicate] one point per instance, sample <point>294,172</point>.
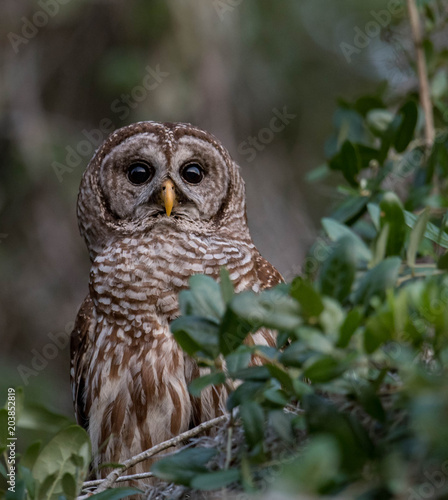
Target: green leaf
<point>252,416</point>
<point>56,460</point>
<point>200,383</point>
<point>377,281</point>
<point>29,483</point>
<point>350,209</point>
<point>439,85</point>
<point>233,330</point>
<point>314,471</point>
<point>271,308</point>
<point>381,245</point>
<point>308,298</point>
<point>19,493</point>
<point>215,480</point>
<point>369,400</point>
<point>379,121</point>
<point>295,355</point>
<point>30,456</point>
<point>368,154</point>
<point>314,339</point>
<point>115,494</point>
<point>442,263</point>
<point>379,329</point>
<point>366,103</point>
<point>348,161</point>
<point>325,368</point>
<point>276,397</point>
<point>46,489</point>
<point>301,388</point>
<point>239,359</point>
<point>203,299</point>
<point>281,375</point>
<point>282,424</point>
<point>350,125</point>
<point>339,269</point>
<point>244,392</point>
<point>196,334</point>
<point>392,215</point>
<point>323,417</point>
<point>252,373</point>
<point>374,212</point>
<point>37,417</point>
<point>349,327</point>
<point>336,231</point>
<point>182,467</point>
<point>226,285</point>
<point>432,232</point>
<point>417,233</point>
<point>69,485</point>
<point>405,131</point>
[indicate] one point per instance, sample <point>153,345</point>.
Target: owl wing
<point>79,348</point>
<point>267,275</point>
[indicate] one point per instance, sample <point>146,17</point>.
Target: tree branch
<point>97,482</point>
<point>422,71</point>
<point>127,464</point>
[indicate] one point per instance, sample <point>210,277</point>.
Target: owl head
<point>160,174</point>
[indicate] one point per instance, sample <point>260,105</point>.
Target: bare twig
<point>96,482</point>
<point>229,441</point>
<point>408,277</point>
<point>127,464</point>
<point>422,70</point>
<point>131,477</point>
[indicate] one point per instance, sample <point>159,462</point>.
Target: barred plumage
<point>129,377</point>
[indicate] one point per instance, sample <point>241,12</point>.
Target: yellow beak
<point>168,196</point>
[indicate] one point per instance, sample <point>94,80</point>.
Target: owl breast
<point>134,286</point>
<point>136,278</point>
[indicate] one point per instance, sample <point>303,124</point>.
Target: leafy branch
<point>422,71</point>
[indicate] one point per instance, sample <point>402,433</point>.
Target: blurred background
<point>72,70</point>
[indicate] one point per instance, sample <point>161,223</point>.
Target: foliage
<point>375,358</point>
<point>361,358</point>
<point>55,469</point>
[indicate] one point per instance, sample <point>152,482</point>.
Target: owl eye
<point>192,173</point>
<point>139,173</point>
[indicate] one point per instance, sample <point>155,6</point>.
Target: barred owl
<point>158,203</point>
